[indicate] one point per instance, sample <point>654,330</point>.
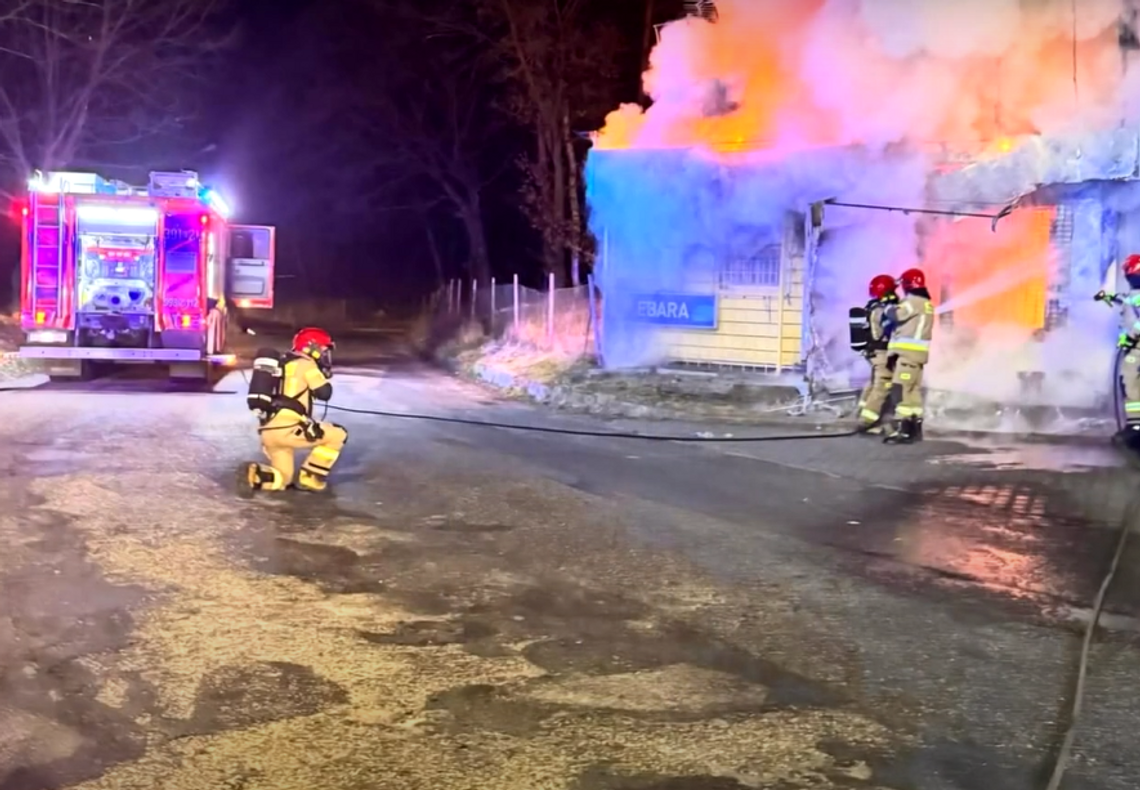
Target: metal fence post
<point>474,296</point>
<point>515,295</point>
<point>595,318</point>
<point>550,306</point>
<point>492,299</point>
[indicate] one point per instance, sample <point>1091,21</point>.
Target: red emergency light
<point>118,255</point>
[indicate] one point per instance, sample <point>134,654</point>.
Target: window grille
<point>1056,313</point>
<point>761,269</point>
<point>702,8</point>
<point>1061,238</point>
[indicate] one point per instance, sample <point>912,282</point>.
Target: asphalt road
<point>486,608</point>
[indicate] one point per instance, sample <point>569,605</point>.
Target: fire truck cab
<point>114,273</point>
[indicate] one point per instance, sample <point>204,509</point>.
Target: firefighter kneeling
<point>911,327</point>
<point>282,390</point>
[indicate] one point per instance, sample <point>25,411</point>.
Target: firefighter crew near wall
<point>911,327</point>
<point>874,395</point>
<point>1127,343</point>
<point>282,391</point>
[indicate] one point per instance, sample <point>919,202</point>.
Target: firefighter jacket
<point>302,381</point>
<point>1130,315</point>
<point>911,326</point>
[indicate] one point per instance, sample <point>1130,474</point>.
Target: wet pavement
<point>485,608</point>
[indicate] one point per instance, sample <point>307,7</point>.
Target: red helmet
<point>912,278</point>
<point>313,342</point>
<point>881,285</point>
<point>1132,265</point>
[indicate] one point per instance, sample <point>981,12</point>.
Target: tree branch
<point>81,75</point>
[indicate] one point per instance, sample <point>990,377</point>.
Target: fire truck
<point>114,273</point>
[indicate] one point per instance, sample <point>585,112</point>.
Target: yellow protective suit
<point>292,428</point>
<point>913,329</point>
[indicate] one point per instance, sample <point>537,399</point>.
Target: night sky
<point>302,118</point>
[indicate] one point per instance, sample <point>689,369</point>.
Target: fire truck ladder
<point>47,259</point>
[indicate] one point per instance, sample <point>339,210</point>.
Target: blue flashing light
<point>210,197</point>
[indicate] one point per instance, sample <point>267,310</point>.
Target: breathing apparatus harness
<point>266,398</point>
<point>863,339</point>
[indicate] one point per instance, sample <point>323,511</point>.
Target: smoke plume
<point>843,72</point>
<point>894,91</point>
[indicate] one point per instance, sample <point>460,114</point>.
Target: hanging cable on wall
<point>994,218</point>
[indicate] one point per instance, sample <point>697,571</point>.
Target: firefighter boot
<point>917,429</point>
<point>310,481</point>
<point>902,432</point>
<point>255,477</point>
<point>1129,436</point>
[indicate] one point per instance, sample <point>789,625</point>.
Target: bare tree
<point>561,67</point>
<point>83,79</point>
<point>429,123</point>
<point>421,106</point>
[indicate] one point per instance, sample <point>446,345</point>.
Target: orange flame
<point>996,279</point>
<point>798,74</point>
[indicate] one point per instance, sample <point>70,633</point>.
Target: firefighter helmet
<point>911,279</point>
<point>1132,265</point>
<point>317,344</point>
<point>881,285</point>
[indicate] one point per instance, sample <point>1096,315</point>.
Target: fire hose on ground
<point>1130,519</point>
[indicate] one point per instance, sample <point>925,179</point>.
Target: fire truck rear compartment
<point>116,284</point>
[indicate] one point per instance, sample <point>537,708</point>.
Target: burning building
<point>795,150</point>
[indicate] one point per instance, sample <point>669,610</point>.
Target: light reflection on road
<point>991,535</point>
<point>1037,457</point>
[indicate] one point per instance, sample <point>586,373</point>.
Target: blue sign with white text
<point>687,310</point>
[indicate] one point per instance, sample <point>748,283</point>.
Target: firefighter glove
<point>313,431</point>
<point>1126,341</point>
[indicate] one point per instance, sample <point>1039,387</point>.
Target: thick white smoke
<point>980,79</point>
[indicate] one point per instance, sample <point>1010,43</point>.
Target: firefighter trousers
<point>874,395</point>
<point>1130,377</point>
<point>908,378</point>
<point>281,438</point>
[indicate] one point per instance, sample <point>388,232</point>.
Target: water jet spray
<point>999,282</point>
